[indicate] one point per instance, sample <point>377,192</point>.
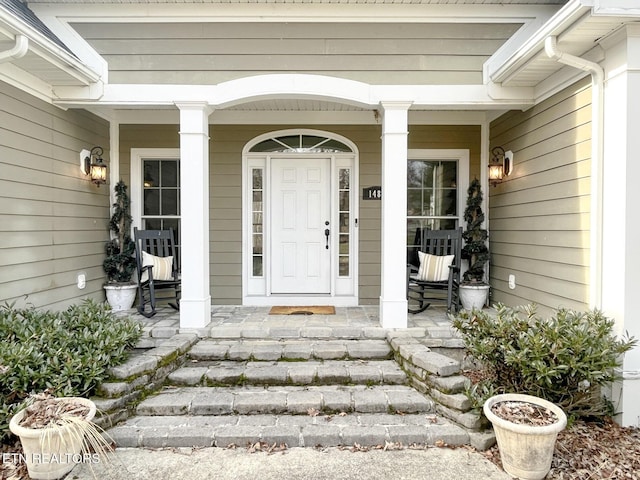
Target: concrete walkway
<point>292,464</point>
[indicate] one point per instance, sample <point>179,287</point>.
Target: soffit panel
<point>581,39</point>
<point>39,65</point>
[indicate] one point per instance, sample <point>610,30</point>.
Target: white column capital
<point>395,118</point>
<point>194,117</point>
<point>388,105</point>
<point>186,105</point>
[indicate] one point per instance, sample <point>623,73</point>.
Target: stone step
<point>271,350</point>
<point>322,329</point>
<point>291,400</point>
<point>292,430</point>
<point>340,372</point>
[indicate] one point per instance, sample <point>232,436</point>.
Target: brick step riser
<point>268,357</point>
<point>285,400</point>
<point>267,409</point>
<point>291,350</point>
<point>296,333</point>
<point>227,373</point>
<point>315,382</point>
<point>294,431</point>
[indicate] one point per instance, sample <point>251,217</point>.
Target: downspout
<point>19,50</point>
<point>597,134</point>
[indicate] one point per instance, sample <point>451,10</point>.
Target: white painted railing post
<point>195,305</point>
<point>393,299</point>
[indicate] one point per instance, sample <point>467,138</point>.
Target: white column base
<point>195,313</point>
<point>393,313</point>
<point>624,397</point>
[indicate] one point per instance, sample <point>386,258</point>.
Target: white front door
<point>301,213</point>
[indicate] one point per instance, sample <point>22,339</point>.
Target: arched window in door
<point>300,143</point>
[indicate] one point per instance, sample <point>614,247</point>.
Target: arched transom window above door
<point>300,143</point>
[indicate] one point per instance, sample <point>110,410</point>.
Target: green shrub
<point>565,359</point>
<point>67,353</point>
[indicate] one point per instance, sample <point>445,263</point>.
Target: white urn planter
<point>473,296</point>
<point>120,297</point>
<point>52,452</point>
<point>526,450</point>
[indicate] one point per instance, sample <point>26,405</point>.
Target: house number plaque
<point>372,193</point>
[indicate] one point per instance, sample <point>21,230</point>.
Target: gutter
<point>597,153</point>
<point>569,14</point>
<point>19,50</point>
<point>49,51</point>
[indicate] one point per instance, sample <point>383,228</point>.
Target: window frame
<point>138,155</point>
<point>461,156</point>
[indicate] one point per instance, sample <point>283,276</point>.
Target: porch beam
<point>393,293</point>
<point>195,305</point>
<point>303,86</point>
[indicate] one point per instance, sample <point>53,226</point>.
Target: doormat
<point>305,310</point>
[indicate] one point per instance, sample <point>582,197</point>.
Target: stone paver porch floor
<point>234,321</point>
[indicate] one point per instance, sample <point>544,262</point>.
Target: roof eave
<point>572,12</point>
<point>49,50</point>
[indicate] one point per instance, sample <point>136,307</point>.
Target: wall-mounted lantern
<point>500,165</point>
<point>92,165</point>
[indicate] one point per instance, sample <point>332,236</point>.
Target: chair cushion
<point>162,267</point>
<point>434,268</point>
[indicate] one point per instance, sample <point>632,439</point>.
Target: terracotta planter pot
<point>54,454</point>
<point>526,451</point>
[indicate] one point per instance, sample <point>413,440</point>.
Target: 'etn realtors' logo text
<point>51,458</point>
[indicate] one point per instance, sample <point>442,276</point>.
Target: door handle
<point>326,234</point>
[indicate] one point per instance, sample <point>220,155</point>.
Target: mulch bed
<point>9,470</point>
<point>587,450</point>
<point>592,451</point>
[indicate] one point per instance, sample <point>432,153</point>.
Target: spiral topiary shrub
<point>475,248</point>
<point>120,261</point>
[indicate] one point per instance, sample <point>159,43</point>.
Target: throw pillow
<point>162,267</point>
<point>434,268</point>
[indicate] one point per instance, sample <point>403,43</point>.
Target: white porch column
<point>195,305</point>
<point>621,221</point>
<point>393,293</point>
